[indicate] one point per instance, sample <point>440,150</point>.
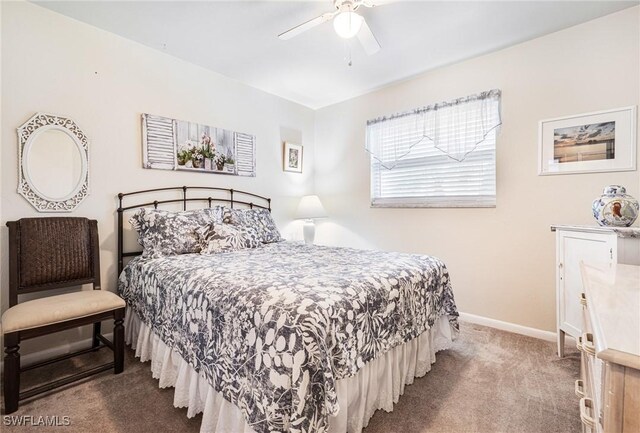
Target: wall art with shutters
<point>171,144</point>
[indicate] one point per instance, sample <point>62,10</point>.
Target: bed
<point>286,336</point>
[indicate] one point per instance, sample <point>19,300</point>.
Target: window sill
<point>417,204</point>
<point>425,206</point>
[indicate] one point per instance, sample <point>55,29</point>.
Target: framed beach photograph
<point>588,143</point>
<point>292,157</point>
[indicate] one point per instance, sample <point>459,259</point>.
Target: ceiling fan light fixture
<point>347,24</point>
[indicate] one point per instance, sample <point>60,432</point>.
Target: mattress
<point>273,329</point>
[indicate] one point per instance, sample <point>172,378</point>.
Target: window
<point>438,156</point>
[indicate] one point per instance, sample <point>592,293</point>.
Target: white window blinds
<point>438,156</point>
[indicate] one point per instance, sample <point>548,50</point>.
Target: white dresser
<point>575,244</point>
<point>609,384</point>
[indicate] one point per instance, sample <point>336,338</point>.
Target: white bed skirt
<point>378,385</point>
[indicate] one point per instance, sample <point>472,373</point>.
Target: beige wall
<point>51,63</point>
<point>501,260</point>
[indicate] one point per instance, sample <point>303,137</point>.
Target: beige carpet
<point>489,381</point>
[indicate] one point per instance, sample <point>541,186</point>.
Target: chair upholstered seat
<point>59,308</point>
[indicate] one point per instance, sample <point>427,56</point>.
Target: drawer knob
<point>579,343</point>
<point>586,404</point>
<point>583,299</point>
<point>587,343</point>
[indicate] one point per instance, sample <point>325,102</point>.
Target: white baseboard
<point>510,327</point>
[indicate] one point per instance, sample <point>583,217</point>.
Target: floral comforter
<point>273,328</point>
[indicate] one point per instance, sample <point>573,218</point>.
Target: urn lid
<point>614,189</point>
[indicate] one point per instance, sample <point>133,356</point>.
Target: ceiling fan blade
<point>306,26</point>
<point>368,40</point>
<point>374,3</point>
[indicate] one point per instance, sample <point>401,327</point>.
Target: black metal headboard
<point>231,197</point>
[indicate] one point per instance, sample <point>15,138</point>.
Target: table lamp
<point>309,209</point>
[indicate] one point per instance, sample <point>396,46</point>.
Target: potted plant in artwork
<point>219,161</point>
<point>208,153</point>
<point>197,158</point>
<point>184,156</point>
<point>229,164</point>
<point>187,154</point>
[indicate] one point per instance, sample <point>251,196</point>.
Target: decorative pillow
<point>259,219</point>
<point>165,233</point>
<point>219,238</point>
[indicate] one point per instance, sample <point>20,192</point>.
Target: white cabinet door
<point>575,247</point>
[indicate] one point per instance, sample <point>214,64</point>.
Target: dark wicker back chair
<point>46,254</point>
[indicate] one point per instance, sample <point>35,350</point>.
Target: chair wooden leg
<point>118,342</point>
<point>96,332</point>
<point>11,372</point>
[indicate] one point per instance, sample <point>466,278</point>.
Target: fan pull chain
<point>347,53</point>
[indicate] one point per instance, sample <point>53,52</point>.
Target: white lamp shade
<point>347,24</point>
<point>310,207</point>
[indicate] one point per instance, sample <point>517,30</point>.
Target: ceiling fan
<point>346,22</point>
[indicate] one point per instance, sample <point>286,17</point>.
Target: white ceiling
<point>239,39</point>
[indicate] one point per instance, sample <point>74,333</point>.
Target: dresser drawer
<point>586,321</point>
<point>598,388</point>
<point>585,373</point>
<point>587,416</point>
<point>591,371</point>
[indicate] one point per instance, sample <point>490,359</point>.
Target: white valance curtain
<point>455,128</point>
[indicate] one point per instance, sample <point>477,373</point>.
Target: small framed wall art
<point>588,143</point>
<point>292,156</point>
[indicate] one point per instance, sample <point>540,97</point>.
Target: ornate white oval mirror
<point>53,163</point>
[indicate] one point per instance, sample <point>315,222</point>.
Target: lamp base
<point>309,231</point>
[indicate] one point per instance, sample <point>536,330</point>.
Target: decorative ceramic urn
<point>615,207</point>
